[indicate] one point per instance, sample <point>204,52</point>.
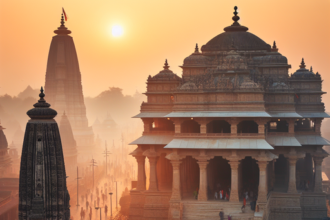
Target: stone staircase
<point>209,210</point>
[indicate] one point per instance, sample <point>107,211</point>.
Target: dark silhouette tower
<point>43,194</point>
<point>64,89</point>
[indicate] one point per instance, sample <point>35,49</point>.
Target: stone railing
<point>224,135</point>
<point>158,133</point>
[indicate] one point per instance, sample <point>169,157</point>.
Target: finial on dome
<point>196,49</point>
<point>302,64</point>
<point>235,18</point>
<point>311,69</point>
<point>274,48</point>
<point>166,66</point>
<point>41,95</point>
<point>62,20</point>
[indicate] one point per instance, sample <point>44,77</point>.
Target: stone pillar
<point>177,125</point>
<point>176,192</point>
<point>202,194</point>
<point>233,126</point>
<point>291,126</point>
<point>262,190</point>
<point>292,188</point>
<point>317,125</point>
<point>141,182</point>
<point>292,175</point>
<point>234,181</point>
<point>318,174</point>
<point>147,124</point>
<point>153,173</point>
<point>261,125</point>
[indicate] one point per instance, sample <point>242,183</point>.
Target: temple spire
<point>166,66</point>
<point>235,17</point>
<point>302,64</point>
<point>235,26</point>
<point>274,48</point>
<point>311,69</point>
<point>62,20</point>
<point>196,49</point>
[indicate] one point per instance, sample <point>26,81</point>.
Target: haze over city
<point>156,110</point>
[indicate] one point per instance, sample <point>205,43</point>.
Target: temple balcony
<point>225,135</point>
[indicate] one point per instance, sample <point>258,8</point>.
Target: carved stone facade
<point>235,125</point>
<point>43,193</point>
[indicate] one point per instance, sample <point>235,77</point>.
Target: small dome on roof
<point>273,57</point>
<point>303,72</point>
<point>188,86</point>
<point>165,74</point>
<point>195,59</point>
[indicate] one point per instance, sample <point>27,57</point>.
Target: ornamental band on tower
<point>235,125</point>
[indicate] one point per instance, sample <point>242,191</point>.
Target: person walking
<point>87,204</point>
<point>244,203</point>
<point>222,215</point>
<point>106,211</point>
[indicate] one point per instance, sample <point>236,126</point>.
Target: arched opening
<point>190,126</point>
<point>304,124</point>
<point>305,173</point>
<point>162,124</point>
<point>281,170</point>
<point>218,126</point>
<point>278,126</point>
<point>247,126</point>
<point>164,173</point>
<point>249,182</point>
<point>219,177</point>
<point>189,177</point>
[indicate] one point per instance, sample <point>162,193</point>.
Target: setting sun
<point>117,31</point>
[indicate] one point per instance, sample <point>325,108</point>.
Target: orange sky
<point>153,30</point>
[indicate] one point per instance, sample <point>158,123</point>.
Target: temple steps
<point>209,210</point>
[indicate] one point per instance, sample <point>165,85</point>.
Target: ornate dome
<point>195,59</point>
<point>165,74</point>
<point>238,35</point>
<point>273,57</point>
<point>303,72</point>
<point>188,86</point>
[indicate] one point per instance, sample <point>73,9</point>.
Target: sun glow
<point>117,31</point>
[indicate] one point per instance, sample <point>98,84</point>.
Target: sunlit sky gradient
<point>153,30</point>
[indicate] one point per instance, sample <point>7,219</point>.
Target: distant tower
<point>69,145</point>
<point>63,86</point>
<point>42,184</point>
<point>5,160</point>
<point>15,158</point>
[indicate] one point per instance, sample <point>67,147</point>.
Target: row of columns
<point>233,122</point>
<point>234,164</point>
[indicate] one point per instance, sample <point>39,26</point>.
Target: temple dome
<point>41,109</point>
<point>165,74</point>
<point>237,35</point>
<point>303,72</point>
<point>195,59</point>
<point>272,58</point>
<point>188,86</point>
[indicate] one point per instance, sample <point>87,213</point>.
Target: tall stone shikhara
<point>63,86</point>
<point>43,192</point>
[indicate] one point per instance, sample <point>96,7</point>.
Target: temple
<point>69,146</point>
<point>235,125</point>
<point>43,193</point>
<point>5,160</point>
<point>64,89</point>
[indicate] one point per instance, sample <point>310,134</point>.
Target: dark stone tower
<point>43,194</point>
<point>64,89</point>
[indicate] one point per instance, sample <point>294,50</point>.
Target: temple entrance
<point>281,174</point>
<point>189,177</point>
<point>278,126</point>
<point>218,126</point>
<point>218,177</point>
<point>164,173</point>
<point>190,126</point>
<point>247,126</point>
<point>249,181</point>
<point>305,173</point>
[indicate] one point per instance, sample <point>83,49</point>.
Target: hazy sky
<point>153,30</point>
